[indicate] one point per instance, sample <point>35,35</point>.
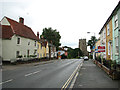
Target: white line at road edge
<point>6,81</point>
<point>32,73</point>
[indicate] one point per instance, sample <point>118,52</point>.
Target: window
<point>35,51</point>
<point>35,43</point>
<point>38,46</point>
<point>41,46</point>
<point>116,21</point>
<point>28,52</point>
<point>17,54</point>
<point>116,45</point>
<point>108,48</point>
<point>28,43</point>
<point>104,33</point>
<point>108,29</point>
<point>18,40</point>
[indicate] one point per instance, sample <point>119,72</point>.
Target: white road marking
<point>32,73</point>
<point>6,81</point>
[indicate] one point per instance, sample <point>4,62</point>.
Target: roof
<point>6,32</point>
<point>110,17</point>
<point>18,29</point>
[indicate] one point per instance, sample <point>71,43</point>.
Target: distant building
<point>83,46</point>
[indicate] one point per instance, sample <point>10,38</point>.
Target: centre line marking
<point>6,81</point>
<point>31,73</point>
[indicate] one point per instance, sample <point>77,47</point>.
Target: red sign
<point>101,48</point>
<point>66,53</point>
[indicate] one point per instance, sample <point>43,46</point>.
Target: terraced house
<point>111,34</point>
<point>18,40</point>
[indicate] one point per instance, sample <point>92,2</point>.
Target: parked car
<point>81,57</point>
<point>86,58</point>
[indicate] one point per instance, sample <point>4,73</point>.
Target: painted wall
<point>10,47</point>
<point>39,50</point>
<point>47,50</point>
<point>96,47</point>
<point>119,34</point>
<point>115,34</point>
<point>109,39</point>
<point>103,41</point>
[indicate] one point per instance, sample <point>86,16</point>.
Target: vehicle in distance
<point>85,57</point>
<point>81,57</point>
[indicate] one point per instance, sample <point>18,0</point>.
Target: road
<point>49,75</point>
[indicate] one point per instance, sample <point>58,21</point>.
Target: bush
<point>24,55</point>
<point>33,55</point>
<point>20,56</point>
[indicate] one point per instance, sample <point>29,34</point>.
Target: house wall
<point>119,34</point>
<point>43,52</point>
<point>10,47</point>
<point>96,47</point>
<point>47,50</point>
<point>116,34</point>
<point>109,40</point>
<point>103,42</point>
<point>39,50</point>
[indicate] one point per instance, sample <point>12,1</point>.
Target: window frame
<point>108,29</point>
<point>18,41</point>
<point>17,54</point>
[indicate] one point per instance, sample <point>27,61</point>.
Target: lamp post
<point>94,48</point>
<point>91,32</point>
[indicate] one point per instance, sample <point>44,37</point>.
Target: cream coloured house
<point>18,40</point>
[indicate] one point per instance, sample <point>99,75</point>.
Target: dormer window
<point>18,40</point>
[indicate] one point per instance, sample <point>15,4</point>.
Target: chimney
<point>21,20</point>
<point>38,35</point>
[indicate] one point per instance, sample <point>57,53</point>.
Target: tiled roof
<point>110,17</point>
<point>20,29</point>
<point>6,32</point>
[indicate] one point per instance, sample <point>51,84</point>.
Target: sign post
<point>101,49</point>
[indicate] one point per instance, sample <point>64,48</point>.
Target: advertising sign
<point>101,48</point>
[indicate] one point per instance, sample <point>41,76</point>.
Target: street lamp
<point>91,32</point>
<point>95,40</point>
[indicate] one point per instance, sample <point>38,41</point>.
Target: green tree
<point>74,53</point>
<point>52,36</point>
<point>92,42</point>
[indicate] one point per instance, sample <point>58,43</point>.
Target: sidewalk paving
<point>91,76</point>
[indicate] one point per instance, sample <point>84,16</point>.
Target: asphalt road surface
<point>49,75</point>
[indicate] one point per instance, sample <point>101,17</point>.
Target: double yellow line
<point>70,78</point>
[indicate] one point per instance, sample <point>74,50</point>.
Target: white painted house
<point>18,40</point>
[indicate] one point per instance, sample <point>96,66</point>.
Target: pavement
<point>92,77</point>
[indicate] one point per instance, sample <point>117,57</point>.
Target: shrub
<point>20,56</point>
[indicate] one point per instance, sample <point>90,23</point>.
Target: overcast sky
<point>72,18</point>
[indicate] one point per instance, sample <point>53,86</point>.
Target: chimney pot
<point>21,20</point>
<point>37,34</point>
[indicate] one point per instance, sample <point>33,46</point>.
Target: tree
<point>52,36</point>
<point>74,53</point>
<point>92,42</point>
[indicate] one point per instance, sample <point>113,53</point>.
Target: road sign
<point>101,48</point>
